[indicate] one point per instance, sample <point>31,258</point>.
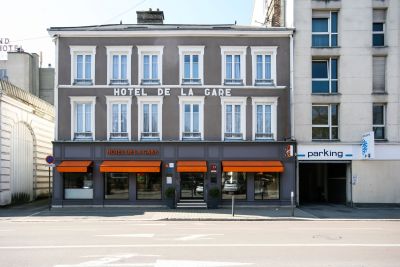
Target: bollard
<point>233,205</point>
<point>292,202</point>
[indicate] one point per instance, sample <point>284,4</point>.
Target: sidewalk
<point>38,211</point>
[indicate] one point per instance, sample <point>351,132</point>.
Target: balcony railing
<point>262,136</point>
<point>264,82</point>
<point>191,135</point>
<point>83,82</point>
<point>83,136</point>
<point>191,81</point>
<point>150,136</point>
<point>233,82</point>
<point>150,82</point>
<point>233,136</point>
<point>119,82</point>
<point>119,135</point>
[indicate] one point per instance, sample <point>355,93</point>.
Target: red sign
<point>213,167</point>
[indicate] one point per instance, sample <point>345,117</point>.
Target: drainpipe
<point>292,130</point>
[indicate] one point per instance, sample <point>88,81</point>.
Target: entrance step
<point>191,204</point>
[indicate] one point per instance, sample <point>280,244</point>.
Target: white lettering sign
<point>328,152</point>
<point>167,92</point>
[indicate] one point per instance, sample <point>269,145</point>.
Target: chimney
<point>150,17</point>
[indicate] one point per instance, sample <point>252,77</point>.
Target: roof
<point>9,89</point>
<point>181,29</point>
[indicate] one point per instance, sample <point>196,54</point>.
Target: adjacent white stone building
<point>26,132</point>
<point>346,83</point>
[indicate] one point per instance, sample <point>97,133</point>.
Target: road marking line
<point>333,228</point>
<point>128,235</point>
<point>194,237</point>
<point>200,245</point>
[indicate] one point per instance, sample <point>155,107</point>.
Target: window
<point>233,65</point>
<point>82,65</point>
<point>264,65</point>
<point>266,186</point>
<point>264,118</point>
<point>325,76</point>
<point>236,181</point>
<point>191,64</point>
<point>116,186</point>
<point>325,29</point>
<point>78,186</point>
<point>378,27</point>
<point>148,185</point>
<point>233,118</point>
<point>119,117</point>
<point>150,119</point>
<point>150,64</point>
<point>3,74</point>
<point>379,74</point>
<point>119,65</point>
<point>325,122</point>
<point>379,121</point>
<point>191,118</point>
<point>82,117</point>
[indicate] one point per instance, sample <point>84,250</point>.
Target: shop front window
<point>266,186</point>
<point>116,186</point>
<point>148,186</point>
<point>235,182</point>
<point>78,186</point>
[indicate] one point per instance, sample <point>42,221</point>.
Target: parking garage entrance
<point>325,182</point>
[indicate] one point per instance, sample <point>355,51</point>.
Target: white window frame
<point>264,51</point>
<point>326,15</point>
<point>191,50</point>
<point>380,32</point>
<point>141,100</point>
<point>118,51</point>
<point>74,100</point>
<point>233,50</point>
<point>82,50</point>
<point>150,50</point>
<point>242,101</point>
<point>329,79</point>
<point>119,100</point>
<point>191,100</point>
<point>329,125</point>
<point>273,102</point>
<point>384,106</point>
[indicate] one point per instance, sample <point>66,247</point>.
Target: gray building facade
<point>142,108</point>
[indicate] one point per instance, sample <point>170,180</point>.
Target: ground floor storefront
<point>133,173</point>
<point>338,174</point>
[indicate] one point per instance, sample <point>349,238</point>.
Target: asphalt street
<point>101,243</point>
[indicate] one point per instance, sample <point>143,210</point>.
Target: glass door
<point>192,185</point>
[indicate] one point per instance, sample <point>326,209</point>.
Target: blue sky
<point>25,22</point>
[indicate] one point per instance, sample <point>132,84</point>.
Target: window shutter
<point>379,15</point>
<point>379,69</point>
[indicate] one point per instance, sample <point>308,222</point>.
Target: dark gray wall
<point>212,74</point>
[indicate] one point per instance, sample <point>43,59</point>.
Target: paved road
<point>97,243</point>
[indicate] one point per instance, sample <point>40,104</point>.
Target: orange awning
<point>252,166</point>
<point>130,166</point>
<point>192,166</point>
<point>74,166</point>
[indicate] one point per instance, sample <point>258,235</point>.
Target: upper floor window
<point>119,65</point>
<point>324,76</point>
<point>3,74</point>
<point>191,64</point>
<point>325,29</point>
<point>191,118</point>
<point>378,27</point>
<point>264,65</point>
<point>118,117</point>
<point>233,65</point>
<point>264,118</point>
<point>325,120</point>
<point>378,74</point>
<point>82,65</point>
<point>150,119</point>
<point>233,118</point>
<point>378,120</point>
<point>82,117</point>
<point>150,64</point>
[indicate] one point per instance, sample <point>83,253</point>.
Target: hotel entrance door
<point>192,185</point>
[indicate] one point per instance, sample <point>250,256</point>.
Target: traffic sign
<point>50,159</point>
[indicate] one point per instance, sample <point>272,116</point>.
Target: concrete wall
<point>377,181</point>
<point>46,84</point>
<point>41,126</point>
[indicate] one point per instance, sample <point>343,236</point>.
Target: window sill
<point>326,140</point>
<point>326,94</point>
<point>379,93</point>
<point>381,140</point>
<point>324,47</point>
